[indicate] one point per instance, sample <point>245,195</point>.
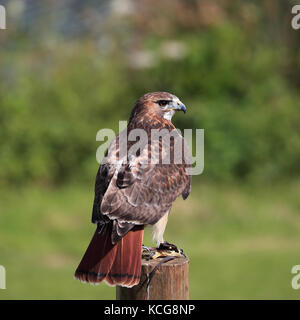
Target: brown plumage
<point>118,263</point>
<point>131,191</point>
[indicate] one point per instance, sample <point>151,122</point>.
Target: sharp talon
<point>182,253</point>
<point>146,248</point>
<point>152,254</point>
<point>148,253</point>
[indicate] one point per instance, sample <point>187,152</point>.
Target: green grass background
<point>242,241</point>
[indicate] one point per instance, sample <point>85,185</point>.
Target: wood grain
<point>170,282</point>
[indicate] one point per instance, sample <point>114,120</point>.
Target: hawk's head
<point>161,104</point>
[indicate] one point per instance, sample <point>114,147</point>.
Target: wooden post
<point>169,282</point>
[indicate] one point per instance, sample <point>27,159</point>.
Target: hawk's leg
<point>159,229</point>
<point>163,248</point>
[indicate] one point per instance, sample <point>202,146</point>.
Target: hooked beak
<point>179,106</point>
<point>182,107</point>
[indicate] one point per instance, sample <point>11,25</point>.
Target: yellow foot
<point>164,250</point>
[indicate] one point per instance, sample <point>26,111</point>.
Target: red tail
<point>117,264</point>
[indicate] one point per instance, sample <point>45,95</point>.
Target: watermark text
<point>2,17</point>
<point>296,278</point>
<point>140,147</point>
<point>296,19</point>
<point>2,277</point>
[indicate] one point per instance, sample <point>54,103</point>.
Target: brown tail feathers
<point>116,264</point>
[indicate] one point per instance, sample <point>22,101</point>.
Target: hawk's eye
<point>162,103</point>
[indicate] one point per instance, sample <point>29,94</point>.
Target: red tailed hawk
<point>136,189</point>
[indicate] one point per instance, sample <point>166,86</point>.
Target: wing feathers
<point>138,192</point>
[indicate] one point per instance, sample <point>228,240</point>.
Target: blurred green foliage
<point>53,103</point>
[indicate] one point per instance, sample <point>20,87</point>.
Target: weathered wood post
<point>169,282</point>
